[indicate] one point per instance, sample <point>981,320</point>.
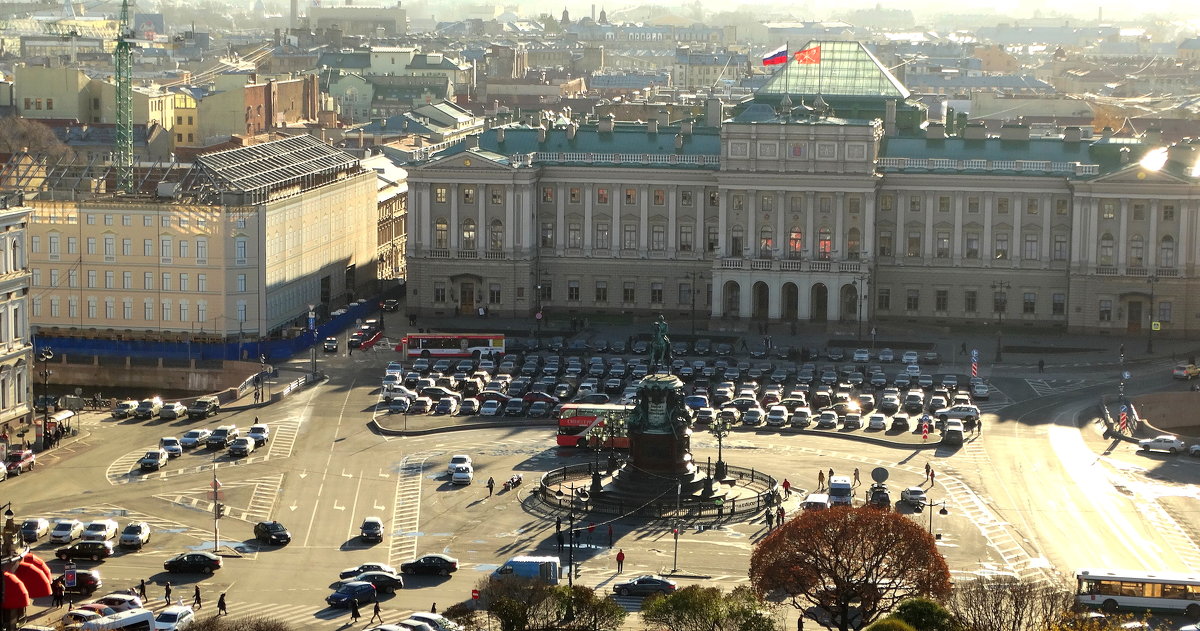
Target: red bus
<point>461,345</point>
<point>577,423</point>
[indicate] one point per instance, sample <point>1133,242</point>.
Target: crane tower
<point>123,63</point>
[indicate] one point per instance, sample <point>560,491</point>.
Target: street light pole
<point>44,356</point>
<point>1000,287</point>
<point>719,429</point>
<point>678,502</point>
<point>1151,280</point>
<point>538,316</point>
<point>942,512</point>
<point>6,553</point>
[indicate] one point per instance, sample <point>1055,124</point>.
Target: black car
<point>330,345</point>
<point>640,347</point>
<point>94,550</point>
<point>577,347</point>
<point>193,562</point>
<point>679,349</point>
<point>539,409</point>
<point>836,354</point>
<point>391,304</point>
<point>703,346</point>
<point>644,586</point>
<point>598,345</point>
<point>384,582</point>
<point>878,496</point>
<point>204,407</point>
<point>350,573</point>
<point>556,344</point>
<point>439,564</point>
<point>86,583</point>
<point>356,592</point>
<point>617,346</point>
<point>272,532</point>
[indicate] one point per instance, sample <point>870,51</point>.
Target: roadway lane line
<point>354,508</point>
<point>328,460</point>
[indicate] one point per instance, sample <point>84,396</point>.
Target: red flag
<point>808,55</point>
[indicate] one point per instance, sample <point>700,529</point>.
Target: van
<point>815,501</point>
<point>132,620</point>
<point>544,568</point>
<point>841,491</point>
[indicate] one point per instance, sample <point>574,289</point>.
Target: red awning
<point>15,594</point>
<point>37,562</point>
<point>35,582</point>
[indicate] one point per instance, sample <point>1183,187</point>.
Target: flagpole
<point>216,512</point>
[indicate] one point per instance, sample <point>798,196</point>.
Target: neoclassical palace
<point>828,196</point>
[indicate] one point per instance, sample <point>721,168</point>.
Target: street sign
<point>474,594</point>
<point>538,315</point>
<point>1156,326</point>
<point>974,354</point>
<point>1125,374</point>
<point>69,575</point>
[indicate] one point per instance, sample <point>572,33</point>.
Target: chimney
<point>1014,131</point>
<point>500,135</point>
<point>571,128</point>
<point>541,135</point>
<point>607,123</point>
<point>975,131</point>
<point>935,131</point>
<point>714,112</point>
<point>664,118</point>
<point>678,141</point>
<point>473,141</point>
<point>685,127</point>
<point>1153,137</point>
<point>1124,153</point>
<point>889,117</point>
<point>1072,134</point>
<point>652,126</point>
<point>1107,132</point>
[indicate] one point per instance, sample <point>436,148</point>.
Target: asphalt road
<point>1038,491</point>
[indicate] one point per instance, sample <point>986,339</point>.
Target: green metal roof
<point>591,145</point>
<point>845,69</point>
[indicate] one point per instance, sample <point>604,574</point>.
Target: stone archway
<point>761,304</point>
<point>849,301</point>
<point>820,302</point>
<point>790,305</point>
<point>733,299</point>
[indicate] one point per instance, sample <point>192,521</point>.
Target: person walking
<point>779,515</point>
<point>167,593</point>
<point>932,475</point>
<point>830,478</point>
<point>376,613</point>
<point>820,480</point>
<point>433,608</point>
<point>856,479</point>
<point>610,536</point>
<point>196,601</point>
<point>770,519</point>
<point>787,488</point>
<point>491,484</point>
<point>620,561</point>
<point>355,614</point>
<point>559,537</point>
<point>927,470</point>
<point>221,610</point>
<point>1041,365</point>
<point>56,590</point>
<point>142,590</point>
<point>558,524</point>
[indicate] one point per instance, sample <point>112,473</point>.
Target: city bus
<point>1137,591</point>
<point>577,423</point>
<point>460,345</point>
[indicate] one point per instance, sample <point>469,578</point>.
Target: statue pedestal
<point>667,455</point>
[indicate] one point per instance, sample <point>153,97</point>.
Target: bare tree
<point>519,603</point>
<point>1008,603</point>
<point>849,560</point>
<point>23,134</point>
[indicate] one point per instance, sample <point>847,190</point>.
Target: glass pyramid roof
<point>845,69</point>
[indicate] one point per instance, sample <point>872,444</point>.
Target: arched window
<point>441,234</point>
<point>853,244</point>
<point>1166,252</point>
<point>496,238</point>
<point>1106,249</point>
<point>737,241</point>
<point>824,244</point>
<point>15,252</point>
<point>766,241</point>
<point>795,242</point>
<point>1137,250</point>
<point>468,234</point>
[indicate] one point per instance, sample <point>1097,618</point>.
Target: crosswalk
<point>997,400</point>
<point>124,470</point>
<point>1047,387</point>
<point>294,616</point>
<point>263,493</point>
<point>123,515</point>
<point>406,509</point>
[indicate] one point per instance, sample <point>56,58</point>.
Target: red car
<point>19,461</point>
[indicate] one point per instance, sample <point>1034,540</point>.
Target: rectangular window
<point>883,299</point>
<point>1058,304</point>
<point>656,293</point>
<point>183,249</point>
<point>603,239</point>
<point>439,194</point>
<point>685,199</point>
<point>166,222</point>
<point>685,293</point>
<point>971,301</point>
<point>630,196</point>
<point>1164,312</point>
<point>885,243</point>
<point>494,294</point>
<point>147,221</point>
<point>54,278</point>
<point>148,280</point>
<point>439,292</point>
<point>1002,205</point>
<point>547,234</point>
<point>91,279</point>
<point>184,284</point>
<point>941,300</point>
<point>1032,249</point>
<point>166,310</point>
<point>37,307</point>
<point>183,311</point>
<point>714,199</point>
<point>574,235</point>
<point>468,195</point>
<point>91,308</point>
<point>912,300</point>
<point>35,244</point>
<point>1032,206</point>
<point>201,282</point>
<point>54,307</point>
<point>127,309</point>
<point>35,278</point>
<point>1108,210</point>
<point>148,310</point>
<point>126,280</point>
<point>110,246</point>
<point>1139,212</point>
<point>91,245</point>
<point>547,194</point>
<point>887,202</point>
<point>854,204</point>
<point>629,236</point>
<point>572,291</point>
<point>148,247</point>
<point>110,309</point>
<point>687,236</point>
<point>660,197</point>
<point>1060,206</point>
<point>943,245</point>
<point>497,197</point>
<point>108,220</point>
<point>573,195</point>
<point>825,204</point>
<point>1002,246</point>
<point>629,293</point>
<point>972,204</point>
<point>202,248</point>
<point>602,196</point>
<point>971,243</point>
<point>73,278</point>
<point>914,203</point>
<point>110,279</point>
<point>241,282</point>
<point>127,247</point>
<point>999,302</point>
<point>658,237</point>
<point>1029,303</point>
<point>72,307</point>
<point>1106,311</point>
<point>601,291</point>
<point>713,236</point>
<point>1059,252</point>
<point>944,204</point>
<point>72,245</point>
<point>913,247</point>
<point>166,281</point>
<point>1168,212</point>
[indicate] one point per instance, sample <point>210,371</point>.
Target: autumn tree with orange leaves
<point>846,559</point>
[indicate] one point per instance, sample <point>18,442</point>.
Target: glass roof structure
<point>844,69</point>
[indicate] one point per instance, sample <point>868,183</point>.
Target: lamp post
<point>6,552</point>
<point>1151,280</point>
<point>720,429</point>
<point>943,512</point>
<point>1000,303</point>
<point>538,315</point>
<point>44,356</point>
<point>861,283</point>
<point>675,530</point>
<point>695,278</point>
<point>570,615</point>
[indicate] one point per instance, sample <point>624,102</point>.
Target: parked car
<point>34,529</point>
<point>878,496</point>
<point>19,460</point>
<point>440,564</point>
<point>194,438</point>
<point>148,408</point>
<point>94,550</point>
<point>171,445</point>
<point>463,474</point>
<point>153,460</point>
<point>204,407</point>
<point>351,572</point>
<point>1166,443</point>
<point>99,530</point>
<point>135,535</point>
<point>193,562</point>
<point>914,496</point>
<point>174,618</point>
<point>242,446</point>
<point>272,532</point>
<point>644,586</point>
<point>384,582</point>
<point>120,602</point>
<point>260,433</point>
<point>66,531</point>
<point>124,409</point>
<point>222,436</point>
<point>172,411</point>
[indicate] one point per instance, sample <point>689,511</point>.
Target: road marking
<point>406,509</point>
<point>354,509</point>
<point>263,495</point>
<point>329,459</point>
<point>157,524</point>
<point>336,507</point>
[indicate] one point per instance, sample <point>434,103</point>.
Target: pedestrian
<point>787,488</point>
<point>620,561</point>
<point>491,484</point>
<point>745,349</point>
<point>376,613</point>
<point>142,590</point>
<point>979,425</point>
<point>800,623</point>
<point>963,349</point>
<point>559,537</point>
<point>610,536</point>
<point>256,395</point>
<point>927,470</point>
<point>433,608</point>
<point>779,515</point>
<point>221,606</point>
<point>856,479</point>
<point>558,524</point>
<point>820,480</point>
<point>770,519</point>
<point>354,612</point>
<point>196,602</point>
<point>167,593</point>
<point>932,475</point>
<point>1041,365</point>
<point>56,590</point>
<point>830,478</point>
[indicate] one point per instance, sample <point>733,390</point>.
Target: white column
<point>839,231</point>
<point>510,225</point>
<point>455,232</point>
<point>746,299</point>
<point>424,203</point>
<point>988,248</point>
<point>1047,214</point>
<point>1081,221</point>
<point>722,226</point>
<point>1183,257</point>
<point>1123,234</point>
<point>1152,238</point>
<point>834,297</point>
<point>751,219</point>
<point>869,247</point>
<point>804,300</point>
<point>672,223</point>
<point>810,239</point>
<point>480,226</point>
<point>1017,246</point>
<point>774,299</point>
<point>1094,234</point>
<point>560,220</point>
<point>529,220</point>
<point>927,240</point>
<point>718,297</point>
<point>956,240</point>
<point>780,228</point>
<point>589,192</point>
<point>643,194</point>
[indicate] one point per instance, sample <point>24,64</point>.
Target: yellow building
<point>185,132</point>
<point>68,93</point>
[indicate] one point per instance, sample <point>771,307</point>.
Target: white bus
<point>1137,591</point>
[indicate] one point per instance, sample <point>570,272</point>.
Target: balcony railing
<point>1023,166</point>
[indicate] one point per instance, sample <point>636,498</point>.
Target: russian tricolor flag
<point>777,56</point>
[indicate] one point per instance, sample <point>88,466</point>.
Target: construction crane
<point>123,66</point>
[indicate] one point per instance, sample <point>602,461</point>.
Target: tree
<point>590,612</point>
<point>519,603</point>
<point>924,614</point>
<point>221,623</point>
<point>1008,603</point>
<point>23,134</point>
<point>848,561</point>
<point>891,623</point>
<point>697,608</point>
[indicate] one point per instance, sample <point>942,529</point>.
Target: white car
<point>259,433</point>
<point>66,531</point>
<point>135,535</point>
<point>100,530</point>
<point>777,416</point>
<point>491,407</point>
<point>469,407</point>
<point>243,446</point>
<point>1166,442</point>
<point>862,355</point>
<point>912,370</point>
<point>174,618</point>
<point>393,379</point>
<point>981,391</point>
<point>1194,450</point>
<point>463,474</point>
<point>171,445</point>
<point>458,460</point>
<point>910,357</point>
<point>914,496</point>
<point>194,438</point>
<point>960,412</point>
<point>120,602</point>
<point>877,421</point>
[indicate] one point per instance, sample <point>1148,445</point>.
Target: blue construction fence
<point>248,349</point>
